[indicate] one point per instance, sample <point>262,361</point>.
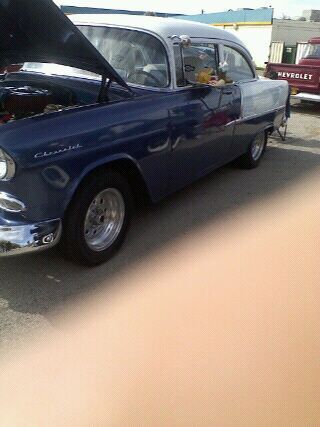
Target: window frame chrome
<point>199,40</point>
<point>220,43</point>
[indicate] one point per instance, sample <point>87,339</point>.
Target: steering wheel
<point>146,73</point>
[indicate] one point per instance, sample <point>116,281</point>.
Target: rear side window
<point>236,65</point>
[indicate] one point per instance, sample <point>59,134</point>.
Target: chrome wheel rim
<point>104,219</point>
<point>258,146</point>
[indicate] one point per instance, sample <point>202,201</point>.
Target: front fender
<point>55,152</point>
<point>104,162</point>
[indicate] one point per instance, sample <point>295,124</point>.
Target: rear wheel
<point>97,221</point>
<point>255,152</point>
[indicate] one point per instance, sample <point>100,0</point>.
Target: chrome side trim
<point>20,239</point>
<point>233,122</point>
<point>253,116</point>
<point>159,148</point>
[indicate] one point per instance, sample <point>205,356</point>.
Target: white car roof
<point>164,27</point>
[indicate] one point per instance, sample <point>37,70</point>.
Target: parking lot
<point>33,287</point>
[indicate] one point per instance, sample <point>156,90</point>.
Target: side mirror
<point>183,40</point>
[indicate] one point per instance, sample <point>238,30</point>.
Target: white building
<point>266,37</point>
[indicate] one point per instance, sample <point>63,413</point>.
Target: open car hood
<point>38,31</point>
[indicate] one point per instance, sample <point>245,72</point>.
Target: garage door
<point>276,52</point>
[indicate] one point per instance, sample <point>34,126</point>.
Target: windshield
<point>311,51</point>
<point>139,58</point>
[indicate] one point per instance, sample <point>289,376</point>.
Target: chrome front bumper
<point>19,239</point>
<point>304,96</point>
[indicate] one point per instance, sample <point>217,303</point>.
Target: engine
<point>20,102</point>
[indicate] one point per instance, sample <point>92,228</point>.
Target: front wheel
<point>255,152</point>
<point>97,221</point>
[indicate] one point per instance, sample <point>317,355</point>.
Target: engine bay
<point>20,102</point>
<point>22,99</point>
<point>24,95</point>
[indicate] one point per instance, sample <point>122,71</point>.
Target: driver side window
<point>200,62</point>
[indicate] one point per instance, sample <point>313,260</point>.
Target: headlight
<point>7,166</point>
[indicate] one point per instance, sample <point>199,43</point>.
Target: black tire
<point>249,160</point>
<point>74,242</point>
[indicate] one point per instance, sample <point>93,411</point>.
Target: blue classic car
<point>108,108</point>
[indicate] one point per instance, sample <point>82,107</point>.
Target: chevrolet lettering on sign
<point>304,77</point>
<point>295,75</point>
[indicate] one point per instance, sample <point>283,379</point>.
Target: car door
<point>239,71</point>
<point>202,117</point>
<point>188,114</point>
<point>223,108</point>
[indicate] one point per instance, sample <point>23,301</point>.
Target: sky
<point>287,7</point>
